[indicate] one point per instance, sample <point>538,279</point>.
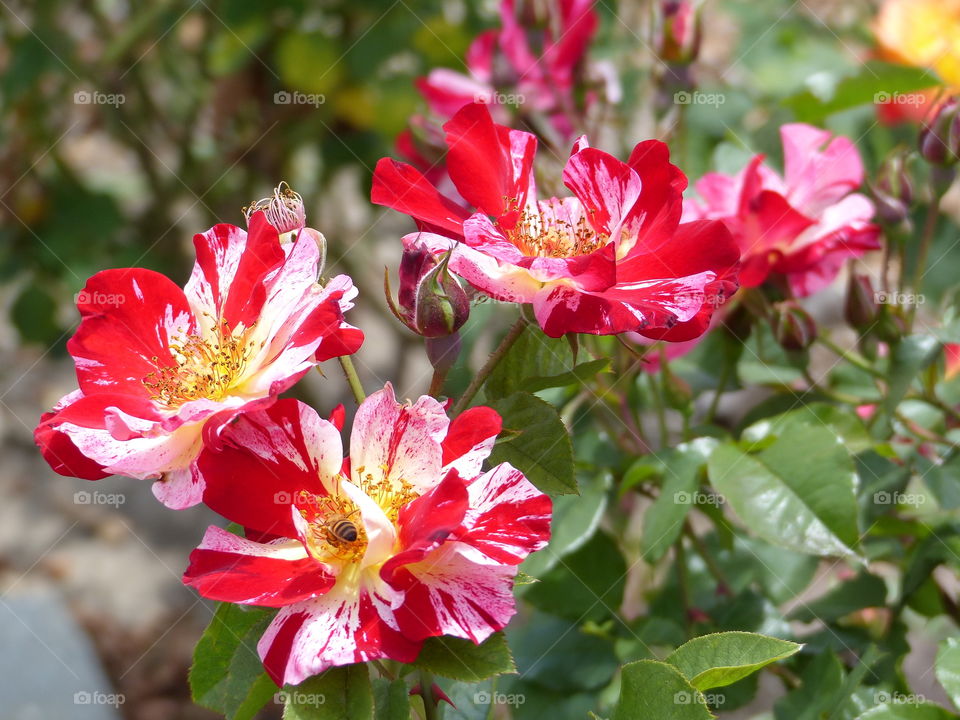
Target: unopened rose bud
<point>680,35</point>
<point>893,190</point>
<point>860,305</point>
<point>792,326</point>
<point>431,301</point>
<point>442,305</point>
<point>284,210</point>
<point>940,136</point>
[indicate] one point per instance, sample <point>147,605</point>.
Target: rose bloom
<point>160,369</point>
<point>504,67</point>
<point>369,556</point>
<point>803,225</point>
<point>610,258</point>
<point>921,33</point>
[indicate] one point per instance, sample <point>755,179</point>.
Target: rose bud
<point>431,301</point>
<point>940,136</point>
<point>893,190</point>
<point>792,326</point>
<point>680,36</point>
<point>860,304</point>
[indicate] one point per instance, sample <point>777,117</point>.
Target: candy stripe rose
<point>611,258</point>
<point>366,557</point>
<point>160,368</point>
<point>803,225</point>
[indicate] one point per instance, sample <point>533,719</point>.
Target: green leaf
<point>822,679</point>
<point>865,590</point>
<point>845,423</point>
<point>391,699</point>
<point>560,655</point>
<point>908,358</point>
<point>575,518</point>
<point>587,584</point>
<point>651,689</point>
<point>723,658</point>
<point>542,449</point>
<point>798,492</point>
<point>578,375</point>
<point>462,660</point>
<point>874,79</point>
<point>663,521</point>
<point>534,357</point>
<point>340,693</point>
<point>227,675</point>
<point>948,668</point>
<point>907,711</point>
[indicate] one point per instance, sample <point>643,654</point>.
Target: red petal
<point>490,164</point>
<point>426,522</point>
<point>403,188</point>
<point>228,571</point>
<point>128,317</point>
<point>231,267</point>
<point>473,431</point>
<point>267,457</point>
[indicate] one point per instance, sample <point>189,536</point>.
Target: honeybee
<point>344,529</point>
<point>341,529</point>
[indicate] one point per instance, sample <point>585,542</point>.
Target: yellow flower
<point>924,33</point>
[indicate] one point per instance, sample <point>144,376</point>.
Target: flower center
<point>390,494</point>
<point>336,531</point>
<point>204,367</point>
<point>538,236</point>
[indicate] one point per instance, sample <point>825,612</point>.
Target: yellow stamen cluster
<point>557,238</point>
<point>202,367</point>
<point>336,528</point>
<point>390,494</point>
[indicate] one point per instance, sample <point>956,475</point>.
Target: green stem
<point>851,357</point>
<point>436,382</point>
<point>725,374</point>
<point>926,239</point>
<point>701,547</point>
<point>658,400</point>
<point>682,585</point>
<point>481,377</point>
<point>426,692</point>
<point>353,380</point>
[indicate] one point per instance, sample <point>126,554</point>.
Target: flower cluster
<point>411,533</point>
<point>802,225</point>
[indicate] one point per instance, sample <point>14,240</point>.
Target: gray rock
<point>48,666</point>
